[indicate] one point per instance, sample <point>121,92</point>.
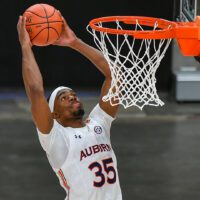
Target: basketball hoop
<point>134,47</point>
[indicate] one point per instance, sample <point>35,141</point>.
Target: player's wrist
<point>26,46</point>
<point>75,43</point>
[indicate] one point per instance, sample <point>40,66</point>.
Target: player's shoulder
<point>99,118</point>
<point>100,114</point>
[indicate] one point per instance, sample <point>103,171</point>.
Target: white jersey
<point>86,164</point>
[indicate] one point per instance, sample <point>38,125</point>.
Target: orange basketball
<point>43,23</point>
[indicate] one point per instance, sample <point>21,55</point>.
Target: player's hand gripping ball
<point>43,23</point>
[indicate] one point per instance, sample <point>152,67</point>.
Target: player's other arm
<point>68,38</point>
<point>100,62</point>
<point>33,82</point>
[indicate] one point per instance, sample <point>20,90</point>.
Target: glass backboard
<point>189,10</point>
<point>198,8</point>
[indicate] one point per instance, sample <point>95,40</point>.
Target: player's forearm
<point>30,71</point>
<point>94,55</point>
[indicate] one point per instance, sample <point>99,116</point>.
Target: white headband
<point>53,96</point>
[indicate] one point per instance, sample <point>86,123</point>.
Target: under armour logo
<point>77,136</point>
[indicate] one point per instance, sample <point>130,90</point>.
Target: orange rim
<point>188,37</point>
<point>166,27</point>
<point>187,34</point>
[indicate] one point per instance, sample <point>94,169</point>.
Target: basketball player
<point>79,151</point>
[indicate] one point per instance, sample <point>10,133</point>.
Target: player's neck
<point>74,123</point>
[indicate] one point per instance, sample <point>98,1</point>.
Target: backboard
<point>188,10</point>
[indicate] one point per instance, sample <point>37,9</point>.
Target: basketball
<point>43,23</point>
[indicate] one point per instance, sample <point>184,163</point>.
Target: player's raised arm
<point>33,82</point>
<point>68,38</point>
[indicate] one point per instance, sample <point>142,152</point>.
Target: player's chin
<point>79,113</point>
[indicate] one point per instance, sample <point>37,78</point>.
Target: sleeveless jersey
<point>89,171</point>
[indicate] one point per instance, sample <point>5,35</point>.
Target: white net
<point>133,64</point>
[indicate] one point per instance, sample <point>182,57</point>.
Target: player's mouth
<point>77,104</point>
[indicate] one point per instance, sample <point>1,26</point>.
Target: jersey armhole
<point>43,137</point>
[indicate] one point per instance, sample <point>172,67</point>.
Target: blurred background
<point>60,65</point>
<point>157,149</point>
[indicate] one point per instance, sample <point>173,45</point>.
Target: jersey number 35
<point>103,168</point>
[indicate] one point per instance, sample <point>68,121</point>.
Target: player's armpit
<point>106,106</point>
<point>41,113</point>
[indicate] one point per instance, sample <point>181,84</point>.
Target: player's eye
<point>63,98</point>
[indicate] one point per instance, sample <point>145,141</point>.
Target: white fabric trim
<point>53,96</point>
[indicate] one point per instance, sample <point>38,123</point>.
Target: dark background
<point>63,66</point>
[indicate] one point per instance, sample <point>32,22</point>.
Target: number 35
<point>99,173</point>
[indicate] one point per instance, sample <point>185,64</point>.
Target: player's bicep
<point>41,113</point>
<point>106,106</point>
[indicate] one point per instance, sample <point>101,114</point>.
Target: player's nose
<point>73,98</point>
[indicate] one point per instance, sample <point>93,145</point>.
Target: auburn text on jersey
<point>93,150</point>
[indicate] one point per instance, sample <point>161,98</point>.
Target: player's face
<point>68,105</point>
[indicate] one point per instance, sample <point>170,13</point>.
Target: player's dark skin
<point>64,111</point>
<point>68,108</point>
